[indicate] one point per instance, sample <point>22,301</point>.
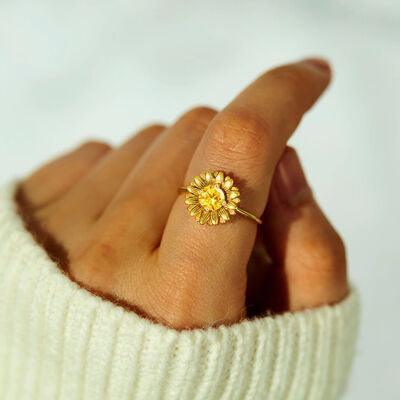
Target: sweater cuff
<point>59,341</point>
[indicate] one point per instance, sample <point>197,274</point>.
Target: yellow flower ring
<point>213,199</point>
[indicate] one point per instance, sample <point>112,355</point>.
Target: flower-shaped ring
<point>213,199</point>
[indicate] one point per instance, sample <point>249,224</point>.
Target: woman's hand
<point>125,232</point>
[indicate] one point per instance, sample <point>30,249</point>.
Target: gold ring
<point>213,199</point>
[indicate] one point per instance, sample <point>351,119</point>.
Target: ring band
<point>212,199</point>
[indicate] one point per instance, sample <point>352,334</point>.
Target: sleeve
<point>58,341</point>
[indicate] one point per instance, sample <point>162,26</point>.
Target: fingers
<point>309,256</point>
<point>152,188</point>
<point>94,193</point>
<point>71,217</point>
<point>249,135</point>
<point>245,140</point>
<point>57,177</point>
<point>119,259</point>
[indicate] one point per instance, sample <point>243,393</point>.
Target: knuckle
<point>199,117</point>
<point>201,112</point>
<point>95,145</point>
<point>92,258</point>
<point>150,130</point>
<point>148,133</point>
<point>239,135</point>
<point>155,127</point>
<point>102,260</point>
<point>86,269</point>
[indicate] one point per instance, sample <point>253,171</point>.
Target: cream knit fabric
<point>58,341</point>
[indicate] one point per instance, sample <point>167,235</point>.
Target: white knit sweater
<point>58,341</point>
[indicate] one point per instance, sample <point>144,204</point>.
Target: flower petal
<point>224,216</point>
<point>195,213</point>
<point>231,206</point>
<point>228,183</point>
<point>194,209</point>
<point>199,182</point>
<point>219,177</point>
<point>191,200</point>
<point>214,218</point>
<point>192,189</point>
<point>198,215</point>
<point>208,176</point>
<point>205,216</point>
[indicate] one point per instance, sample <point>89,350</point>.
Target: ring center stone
<point>212,197</point>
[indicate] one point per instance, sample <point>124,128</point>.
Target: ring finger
<point>71,217</point>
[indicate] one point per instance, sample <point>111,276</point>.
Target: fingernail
<point>319,63</point>
<point>290,182</point>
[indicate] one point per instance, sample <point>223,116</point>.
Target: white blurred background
<point>76,69</point>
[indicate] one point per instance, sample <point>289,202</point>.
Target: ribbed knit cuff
<point>58,341</point>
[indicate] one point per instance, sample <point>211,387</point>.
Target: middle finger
<point>148,193</point>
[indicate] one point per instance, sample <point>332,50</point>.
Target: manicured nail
<point>319,63</point>
<point>290,181</point>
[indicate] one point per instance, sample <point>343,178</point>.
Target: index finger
<point>245,141</point>
<point>252,131</point>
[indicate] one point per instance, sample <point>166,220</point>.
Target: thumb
<point>308,254</point>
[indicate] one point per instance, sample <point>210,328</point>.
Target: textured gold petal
<point>228,183</point>
<point>199,182</point>
<point>214,217</point>
<point>194,209</point>
<point>231,206</point>
<point>233,195</point>
<point>236,200</point>
<point>191,200</point>
<point>203,176</point>
<point>219,177</point>
<point>205,216</point>
<point>196,212</point>
<point>192,189</point>
<point>209,176</point>
<point>232,212</point>
<point>235,189</point>
<point>224,216</point>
